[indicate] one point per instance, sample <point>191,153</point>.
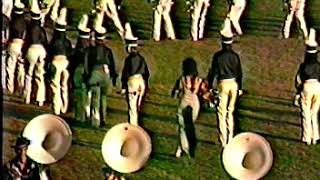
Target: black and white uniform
<point>135,75</point>
<point>226,69</point>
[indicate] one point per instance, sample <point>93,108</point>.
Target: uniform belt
<point>102,68</point>
<point>16,40</point>
<point>135,76</point>
<point>227,80</point>
<point>36,45</point>
<point>312,81</point>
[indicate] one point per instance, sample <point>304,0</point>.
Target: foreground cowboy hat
<point>247,156</point>
<point>126,148</point>
<point>50,138</point>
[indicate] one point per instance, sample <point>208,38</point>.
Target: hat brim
<point>126,137</point>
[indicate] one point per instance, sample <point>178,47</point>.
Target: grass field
<point>269,72</point>
<point>269,66</point>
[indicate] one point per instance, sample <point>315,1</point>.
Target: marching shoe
<point>178,152</point>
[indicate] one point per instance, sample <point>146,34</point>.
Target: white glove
<point>240,92</point>
<point>296,101</point>
<point>123,91</point>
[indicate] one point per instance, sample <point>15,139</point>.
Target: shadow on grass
<point>265,120</point>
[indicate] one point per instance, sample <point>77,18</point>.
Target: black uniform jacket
<point>18,27</point>
<point>225,65</point>
<point>134,64</point>
<point>97,56</point>
<point>36,34</point>
<point>60,45</point>
<point>309,69</point>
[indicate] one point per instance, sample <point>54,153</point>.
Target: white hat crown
<point>82,26</point>
<point>97,24</point>
<point>311,40</point>
<point>128,35</point>
<point>226,32</point>
<point>18,4</point>
<point>35,7</point>
<point>62,19</point>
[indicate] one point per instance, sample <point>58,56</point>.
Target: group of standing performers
<point>92,68</point>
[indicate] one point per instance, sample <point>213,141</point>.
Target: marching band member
<point>36,54</point>
<point>226,70</point>
<point>135,75</point>
<point>162,9</point>
<point>21,167</point>
<point>101,69</point>
<point>308,88</point>
<point>17,35</point>
<point>198,9</point>
<point>297,10</point>
<point>80,88</point>
<point>188,85</point>
<point>109,7</point>
<point>4,45</point>
<point>236,10</point>
<point>60,50</point>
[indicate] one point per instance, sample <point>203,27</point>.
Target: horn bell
<point>50,138</point>
<point>247,156</point>
<point>126,148</point>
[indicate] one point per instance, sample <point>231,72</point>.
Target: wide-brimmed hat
<point>21,142</point>
<point>311,42</point>
<point>61,22</point>
<point>50,138</point>
<point>126,148</point>
<point>84,31</point>
<point>18,7</point>
<point>226,32</point>
<point>100,31</point>
<point>35,10</point>
<point>247,156</point>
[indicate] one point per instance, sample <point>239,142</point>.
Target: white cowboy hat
<point>100,32</point>
<point>311,42</point>
<point>247,156</point>
<point>61,21</point>
<point>226,32</point>
<point>50,138</point>
<point>18,7</point>
<point>35,10</point>
<point>126,148</point>
<point>84,31</point>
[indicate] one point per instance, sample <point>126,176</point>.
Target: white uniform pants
<point>136,90</point>
<point>194,103</point>
<point>296,9</point>
<point>80,94</point>
<point>163,10</point>
<point>228,93</point>
<point>235,14</point>
<point>310,104</point>
<point>36,56</point>
<point>59,84</point>
<point>15,58</point>
<point>100,85</point>
<point>3,69</point>
<point>111,11</point>
<point>198,17</point>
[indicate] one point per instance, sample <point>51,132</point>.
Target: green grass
<point>269,67</point>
